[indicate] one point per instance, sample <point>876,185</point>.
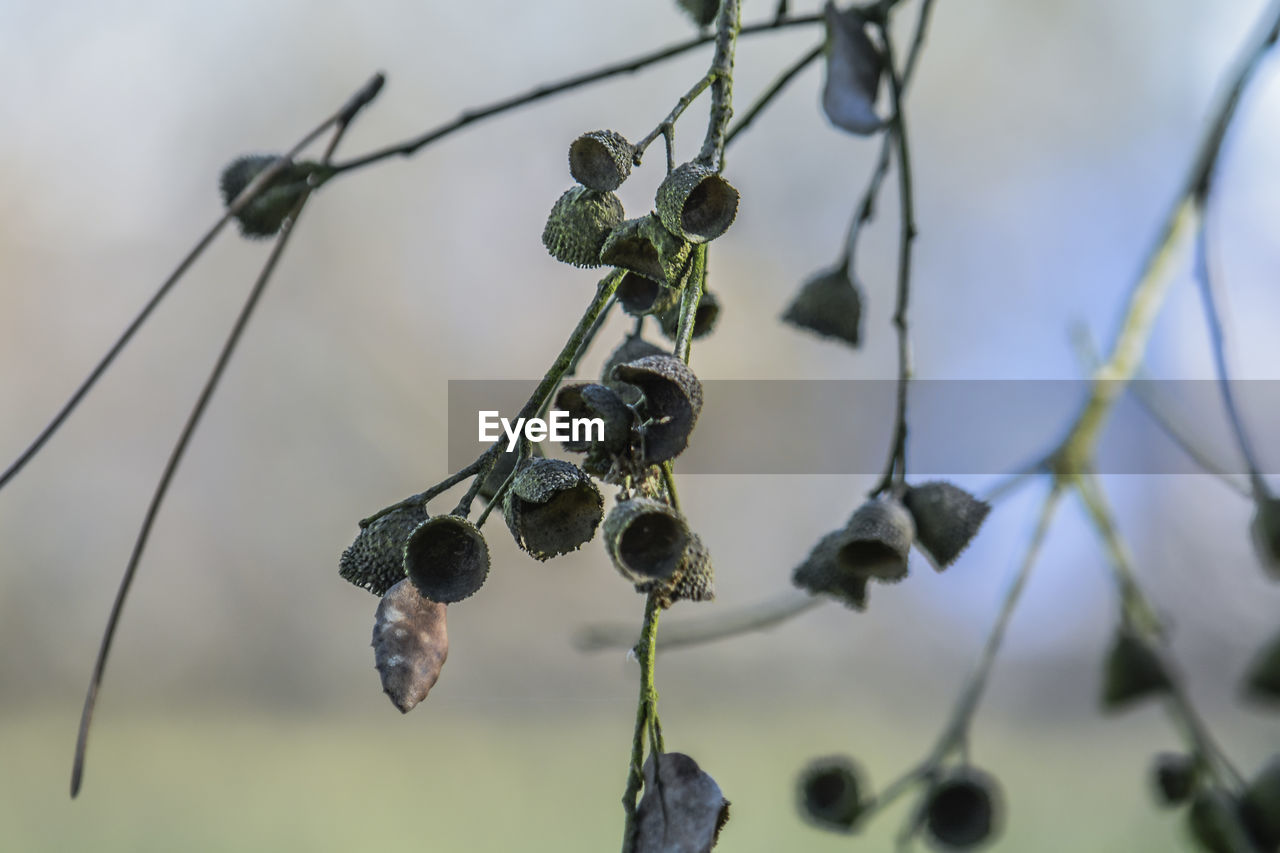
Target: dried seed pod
<point>410,644</point>
<point>501,470</point>
<point>1266,534</point>
<point>694,578</point>
<point>703,12</point>
<point>946,517</point>
<point>446,558</point>
<point>263,216</point>
<point>704,318</point>
<point>552,507</point>
<point>672,401</point>
<point>643,246</point>
<point>375,560</point>
<point>640,295</point>
<point>1215,822</point>
<point>1133,671</point>
<point>1262,683</point>
<point>696,203</point>
<point>830,793</point>
<point>580,222</point>
<point>682,810</point>
<point>601,160</point>
<point>1173,775</point>
<point>633,348</point>
<point>878,539</point>
<point>854,66</point>
<point>646,539</point>
<point>589,400</point>
<point>829,304</point>
<point>823,573</point>
<point>1260,806</point>
<point>963,808</point>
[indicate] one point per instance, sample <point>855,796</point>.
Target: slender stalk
<point>689,301</point>
<point>646,717</point>
<point>667,125</point>
<point>728,25</point>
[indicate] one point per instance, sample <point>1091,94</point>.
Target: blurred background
<point>241,709</point>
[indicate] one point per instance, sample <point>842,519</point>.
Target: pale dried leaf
<point>410,644</point>
<point>854,65</point>
<point>682,810</point>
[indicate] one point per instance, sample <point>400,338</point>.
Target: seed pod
<point>1173,775</point>
<point>854,67</point>
<point>580,222</point>
<point>878,539</point>
<point>830,793</point>
<point>696,203</point>
<point>829,304</point>
<point>1133,672</point>
<point>1214,821</point>
<point>672,401</point>
<point>682,810</point>
<point>501,470</point>
<point>694,578</point>
<point>1266,534</point>
<point>963,808</point>
<point>704,318</point>
<point>446,558</point>
<point>640,295</point>
<point>633,348</point>
<point>703,12</point>
<point>552,508</point>
<point>601,160</point>
<point>823,573</point>
<point>263,216</point>
<point>589,400</point>
<point>643,246</point>
<point>1262,684</point>
<point>1260,806</point>
<point>946,517</point>
<point>375,560</point>
<point>646,539</point>
<point>410,644</point>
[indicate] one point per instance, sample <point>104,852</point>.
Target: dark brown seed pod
<point>410,644</point>
<point>646,539</point>
<point>1133,672</point>
<point>696,203</point>
<point>963,808</point>
<point>501,470</point>
<point>682,810</point>
<point>633,348</point>
<point>830,305</point>
<point>1260,806</point>
<point>1173,776</point>
<point>375,560</point>
<point>823,573</point>
<point>601,160</point>
<point>694,578</point>
<point>1215,822</point>
<point>946,518</point>
<point>878,539</point>
<point>589,400</point>
<point>644,247</point>
<point>672,401</point>
<point>703,12</point>
<point>263,216</point>
<point>580,222</point>
<point>1262,684</point>
<point>704,319</point>
<point>640,295</point>
<point>1266,534</point>
<point>552,507</point>
<point>830,793</point>
<point>446,558</point>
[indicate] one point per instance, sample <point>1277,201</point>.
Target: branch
<point>728,24</point>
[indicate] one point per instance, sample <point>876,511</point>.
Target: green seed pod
<point>672,401</point>
<point>633,348</point>
<point>640,295</point>
<point>580,222</point>
<point>823,573</point>
<point>446,558</point>
<point>643,246</point>
<point>501,470</point>
<point>263,216</point>
<point>696,203</point>
<point>963,808</point>
<point>878,539</point>
<point>552,508</point>
<point>1214,821</point>
<point>1260,806</point>
<point>1266,534</point>
<point>946,517</point>
<point>1262,684</point>
<point>829,304</point>
<point>375,560</point>
<point>410,644</point>
<point>703,12</point>
<point>830,793</point>
<point>704,318</point>
<point>1173,775</point>
<point>646,539</point>
<point>601,160</point>
<point>1133,672</point>
<point>589,400</point>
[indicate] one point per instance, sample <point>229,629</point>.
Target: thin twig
<point>646,718</point>
<point>689,300</point>
<point>667,125</point>
<point>728,25</point>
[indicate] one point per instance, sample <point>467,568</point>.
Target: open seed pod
<point>446,558</point>
<point>704,318</point>
<point>1133,672</point>
<point>1215,822</point>
<point>1266,534</point>
<point>671,405</point>
<point>829,304</point>
<point>682,810</point>
<point>963,808</point>
<point>823,573</point>
<point>830,793</point>
<point>501,470</point>
<point>633,348</point>
<point>646,539</point>
<point>263,216</point>
<point>1260,806</point>
<point>580,222</point>
<point>410,644</point>
<point>639,295</point>
<point>552,508</point>
<point>1262,684</point>
<point>878,539</point>
<point>694,578</point>
<point>589,400</point>
<point>643,246</point>
<point>601,160</point>
<point>1173,775</point>
<point>375,560</point>
<point>946,517</point>
<point>696,203</point>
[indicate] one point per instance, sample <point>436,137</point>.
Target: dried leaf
<point>682,810</point>
<point>410,644</point>
<point>854,65</point>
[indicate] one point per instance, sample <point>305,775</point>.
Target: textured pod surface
<point>823,573</point>
<point>963,808</point>
<point>1133,672</point>
<point>682,810</point>
<point>1260,806</point>
<point>946,518</point>
<point>640,295</point>
<point>633,348</point>
<point>829,793</point>
<point>501,470</point>
<point>446,558</point>
<point>644,246</point>
<point>646,539</point>
<point>601,160</point>
<point>552,508</point>
<point>1266,534</point>
<point>878,540</point>
<point>1262,683</point>
<point>591,400</point>
<point>830,305</point>
<point>375,560</point>
<point>263,216</point>
<point>672,401</point>
<point>410,644</point>
<point>704,319</point>
<point>694,578</point>
<point>1173,777</point>
<point>580,222</point>
<point>696,203</point>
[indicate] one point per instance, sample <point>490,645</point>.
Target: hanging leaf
<point>410,644</point>
<point>682,810</point>
<point>854,65</point>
